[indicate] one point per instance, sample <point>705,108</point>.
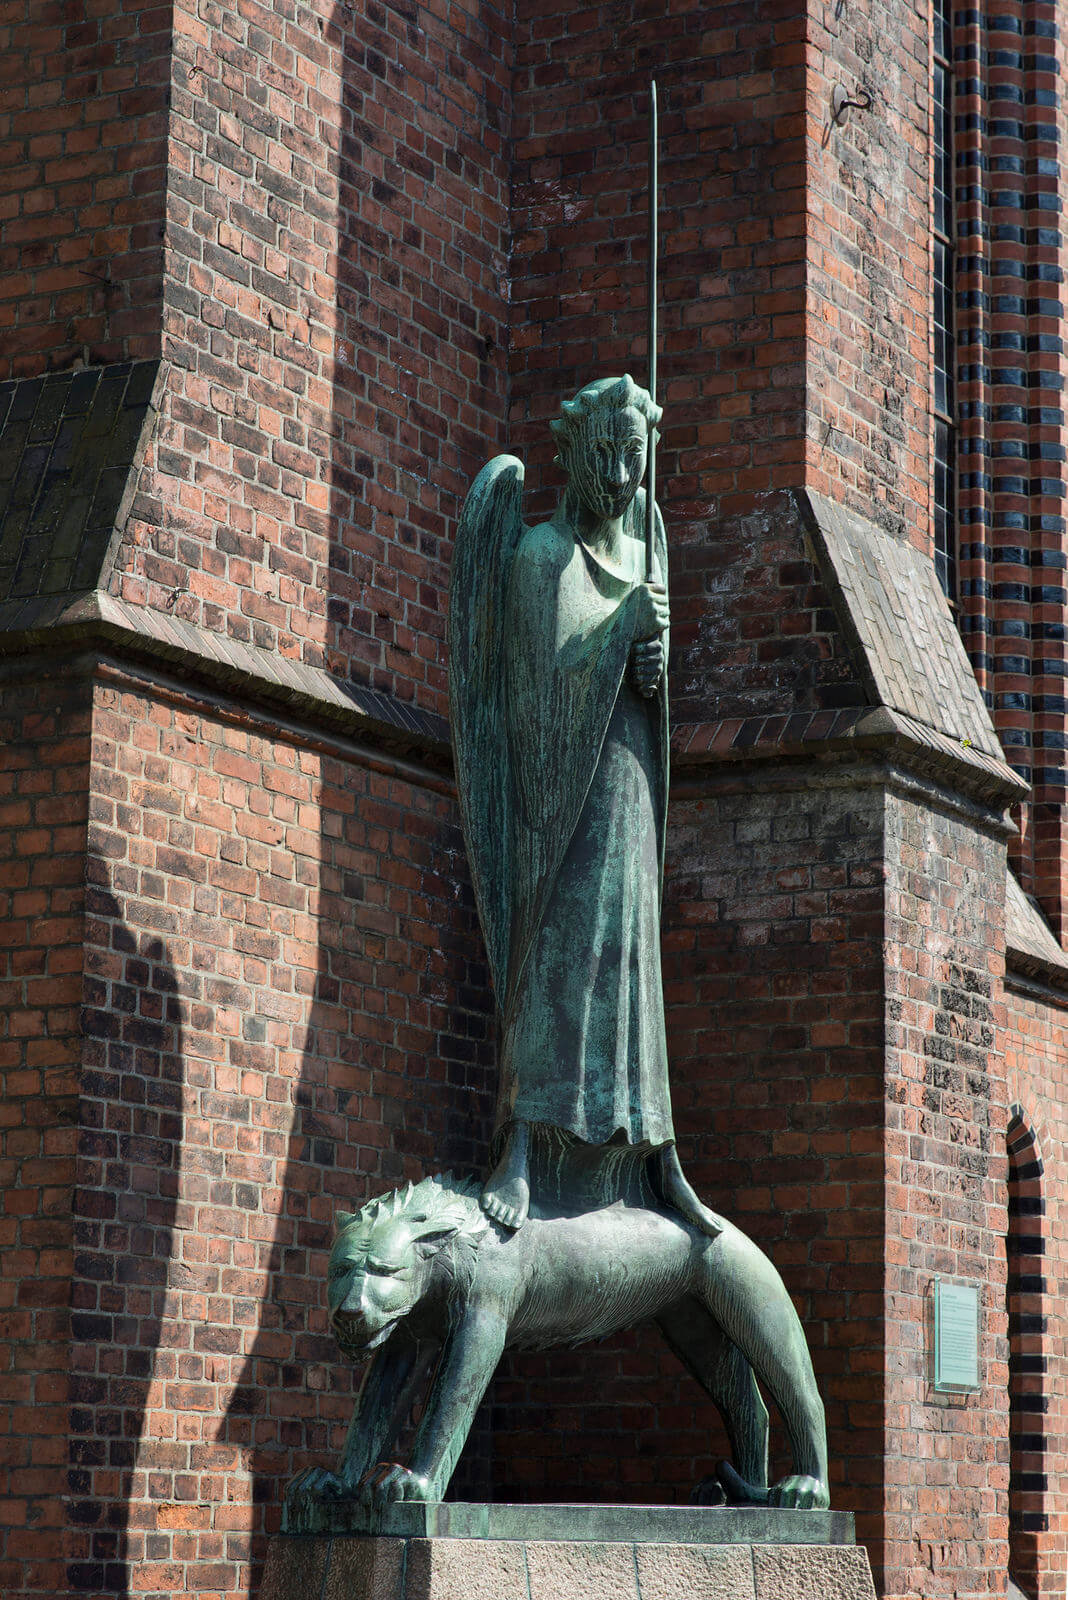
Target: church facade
<point>277,277</point>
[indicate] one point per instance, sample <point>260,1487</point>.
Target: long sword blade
<point>650,471</point>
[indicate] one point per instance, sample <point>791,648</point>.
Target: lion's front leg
<point>306,1491</point>
<point>468,1362</point>
<point>386,1397</point>
<point>382,1406</point>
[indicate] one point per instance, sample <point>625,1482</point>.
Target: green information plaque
<point>956,1337</point>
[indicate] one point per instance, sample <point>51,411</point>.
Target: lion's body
<point>422,1280</point>
<point>566,1280</point>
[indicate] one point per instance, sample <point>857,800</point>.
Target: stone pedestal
<point>455,1551</point>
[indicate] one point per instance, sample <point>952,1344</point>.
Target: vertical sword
<point>650,471</point>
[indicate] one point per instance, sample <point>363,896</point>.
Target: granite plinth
<point>556,1552</point>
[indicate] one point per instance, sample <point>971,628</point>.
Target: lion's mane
<point>445,1220</point>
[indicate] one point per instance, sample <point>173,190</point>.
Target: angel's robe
<point>583,1041</point>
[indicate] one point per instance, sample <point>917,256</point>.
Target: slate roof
<point>1030,943</point>
<point>68,442</point>
<point>908,648</point>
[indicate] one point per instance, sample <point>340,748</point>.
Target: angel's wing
<point>486,540</point>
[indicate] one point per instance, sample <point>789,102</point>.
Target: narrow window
<point>945,432</point>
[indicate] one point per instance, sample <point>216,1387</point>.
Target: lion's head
<point>383,1256</point>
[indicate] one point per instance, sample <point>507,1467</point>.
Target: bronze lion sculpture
<point>421,1281</point>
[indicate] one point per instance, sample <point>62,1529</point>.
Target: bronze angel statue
<point>557,674</point>
<point>585,1224</point>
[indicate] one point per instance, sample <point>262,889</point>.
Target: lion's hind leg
<point>724,1373</point>
<point>750,1302</point>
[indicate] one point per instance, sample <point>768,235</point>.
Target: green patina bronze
<point>559,707</point>
<point>585,1224</point>
<point>437,1292</point>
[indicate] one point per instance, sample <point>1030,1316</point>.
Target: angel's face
<point>606,462</point>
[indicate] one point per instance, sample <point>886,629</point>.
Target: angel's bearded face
<point>605,459</point>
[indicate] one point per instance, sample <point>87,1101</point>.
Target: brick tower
<point>276,278</point>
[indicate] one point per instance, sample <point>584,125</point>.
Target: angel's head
<point>602,438</point>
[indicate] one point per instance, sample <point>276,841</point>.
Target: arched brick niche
<point>1028,1399</point>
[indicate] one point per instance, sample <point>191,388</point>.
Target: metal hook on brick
<point>842,101</point>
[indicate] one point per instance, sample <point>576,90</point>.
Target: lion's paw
<point>308,1489</point>
<point>389,1482</point>
<point>801,1492</point>
<point>314,1483</point>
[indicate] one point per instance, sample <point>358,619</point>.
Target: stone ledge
<point>141,634</point>
<point>351,1567</point>
<point>462,1519</point>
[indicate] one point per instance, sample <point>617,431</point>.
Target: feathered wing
<point>486,541</point>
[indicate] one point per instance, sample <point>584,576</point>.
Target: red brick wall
<point>753,631</point>
<point>795,293</point>
<point>1036,1061</point>
<point>1011,366</point>
<point>731,86</point>
<point>83,139</point>
<point>946,1456</point>
<point>774,997</point>
<point>44,752</point>
<point>286,1012</point>
<point>285,1003</point>
<point>772,975</point>
<point>868,292</point>
<point>334,309</point>
<point>834,952</point>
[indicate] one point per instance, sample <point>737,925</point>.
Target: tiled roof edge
<point>71,447</point>
<point>953,762</point>
<point>898,623</point>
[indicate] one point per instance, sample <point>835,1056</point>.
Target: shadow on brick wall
<point>390,1088</point>
<point>125,1213</point>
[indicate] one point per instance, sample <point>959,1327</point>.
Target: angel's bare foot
<point>506,1196</point>
<point>676,1191</point>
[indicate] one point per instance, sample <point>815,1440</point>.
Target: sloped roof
<point>69,445</point>
<point>909,651</point>
<point>1030,943</point>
